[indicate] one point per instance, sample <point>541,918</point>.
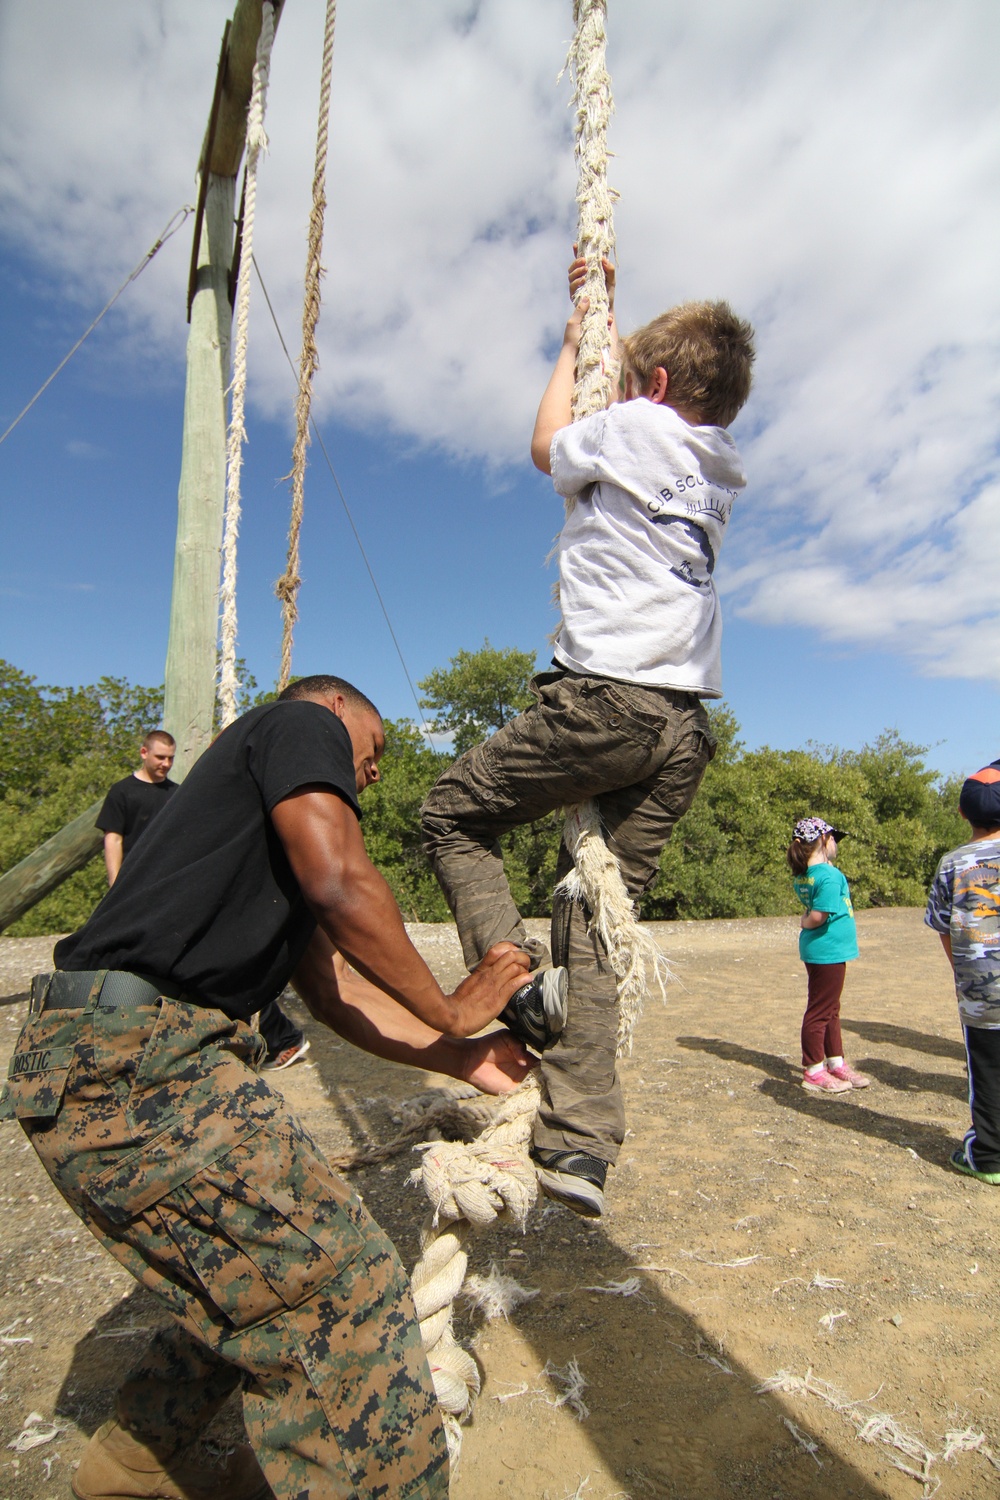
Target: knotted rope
<point>256,144</point>
<point>470,1186</point>
<point>595,234</point>
<point>596,879</point>
<point>287,586</point>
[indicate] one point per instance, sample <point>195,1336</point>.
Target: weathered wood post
<point>194,607</point>
<point>49,865</point>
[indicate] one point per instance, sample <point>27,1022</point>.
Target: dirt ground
<point>758,1229</point>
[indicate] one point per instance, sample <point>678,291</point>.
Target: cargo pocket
<point>36,1082</point>
<point>253,1227</point>
<point>39,1069</point>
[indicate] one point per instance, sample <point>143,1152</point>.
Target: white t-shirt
<point>636,556</point>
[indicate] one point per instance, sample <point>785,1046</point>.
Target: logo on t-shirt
<point>689,571</point>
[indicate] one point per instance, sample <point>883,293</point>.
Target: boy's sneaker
<point>574,1178</point>
<point>293,1053</point>
<point>961,1163</point>
<point>823,1082</point>
<point>850,1075</point>
<point>536,1013</point>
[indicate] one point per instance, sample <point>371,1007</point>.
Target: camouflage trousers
<point>640,753</point>
<point>190,1170</point>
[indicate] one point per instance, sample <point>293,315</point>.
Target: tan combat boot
<point>118,1466</point>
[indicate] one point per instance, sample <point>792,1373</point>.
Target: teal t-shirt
<point>824,888</point>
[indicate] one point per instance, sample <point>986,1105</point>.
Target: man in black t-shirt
<point>133,802</point>
<point>135,1080</point>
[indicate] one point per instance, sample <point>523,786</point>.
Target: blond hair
<point>708,354</point>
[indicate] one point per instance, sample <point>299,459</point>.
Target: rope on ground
<point>256,144</point>
<point>470,1186</point>
<point>287,586</point>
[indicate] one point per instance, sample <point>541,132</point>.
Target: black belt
<point>119,990</point>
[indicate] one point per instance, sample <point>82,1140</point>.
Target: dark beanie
<point>980,798</point>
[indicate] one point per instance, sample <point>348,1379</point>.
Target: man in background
<point>132,803</point>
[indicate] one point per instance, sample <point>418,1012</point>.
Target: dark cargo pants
<point>190,1169</point>
<point>640,753</point>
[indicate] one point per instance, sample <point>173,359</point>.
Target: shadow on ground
<point>904,1036</point>
<point>712,1434</point>
<point>855,1111</point>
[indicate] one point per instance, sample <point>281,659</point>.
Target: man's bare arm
<point>356,909</point>
<point>946,945</point>
<point>114,853</point>
<point>370,1019</point>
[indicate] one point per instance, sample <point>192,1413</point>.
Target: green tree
<point>478,692</point>
<point>390,821</point>
<point>727,854</point>
<point>60,750</point>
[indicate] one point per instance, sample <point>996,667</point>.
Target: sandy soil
<point>768,1230</point>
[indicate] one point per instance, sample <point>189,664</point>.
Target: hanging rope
<point>256,144</point>
<point>595,235</point>
<point>287,586</point>
<point>470,1186</point>
<point>596,880</point>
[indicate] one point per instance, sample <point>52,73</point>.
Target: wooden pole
<point>194,606</point>
<point>190,679</point>
<point>189,699</point>
<point>49,865</point>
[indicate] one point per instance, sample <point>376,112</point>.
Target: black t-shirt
<point>207,898</point>
<point>131,805</point>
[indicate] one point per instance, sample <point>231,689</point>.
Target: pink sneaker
<point>850,1075</point>
<point>824,1082</point>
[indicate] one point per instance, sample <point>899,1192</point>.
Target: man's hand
<point>495,1063</point>
<point>482,996</point>
<point>368,1017</point>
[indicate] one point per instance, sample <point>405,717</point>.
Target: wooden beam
<point>224,150</point>
<point>191,648</point>
<point>189,694</point>
<point>67,851</point>
<point>189,706</point>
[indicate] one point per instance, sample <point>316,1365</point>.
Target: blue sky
<point>836,178</point>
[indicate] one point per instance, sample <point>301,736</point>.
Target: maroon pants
<point>821,1023</point>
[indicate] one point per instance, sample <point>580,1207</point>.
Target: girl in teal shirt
<point>827,941</point>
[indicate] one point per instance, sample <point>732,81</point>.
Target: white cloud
<point>833,170</point>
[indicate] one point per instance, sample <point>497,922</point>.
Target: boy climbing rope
<point>652,481</point>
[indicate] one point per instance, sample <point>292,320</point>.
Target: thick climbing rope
<point>596,878</point>
<point>595,235</point>
<point>256,144</point>
<point>471,1186</point>
<point>287,586</point>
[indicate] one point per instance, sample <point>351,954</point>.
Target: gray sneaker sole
<point>583,1197</point>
